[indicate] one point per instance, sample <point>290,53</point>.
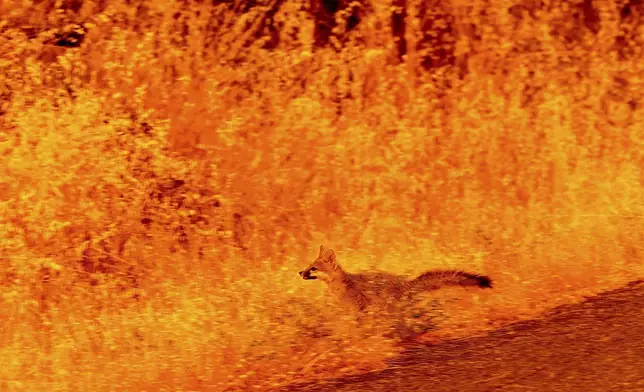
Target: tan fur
<point>381,289</point>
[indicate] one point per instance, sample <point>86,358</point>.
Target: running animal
<point>379,289</point>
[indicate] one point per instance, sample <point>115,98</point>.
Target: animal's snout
<point>306,274</point>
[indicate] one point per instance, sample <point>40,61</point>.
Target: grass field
<point>163,181</point>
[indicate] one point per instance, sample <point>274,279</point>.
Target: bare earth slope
<point>597,345</point>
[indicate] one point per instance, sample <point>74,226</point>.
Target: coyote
<point>377,289</point>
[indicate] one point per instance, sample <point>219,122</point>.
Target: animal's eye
<point>313,269</point>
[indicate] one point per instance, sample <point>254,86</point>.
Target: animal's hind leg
<point>396,327</point>
<point>404,320</point>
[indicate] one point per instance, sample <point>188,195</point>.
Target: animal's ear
<point>321,251</point>
<point>331,255</point>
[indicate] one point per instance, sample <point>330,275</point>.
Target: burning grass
<point>163,182</point>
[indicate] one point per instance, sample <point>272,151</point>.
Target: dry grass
<point>162,184</point>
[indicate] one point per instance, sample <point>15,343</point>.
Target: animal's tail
<point>436,279</point>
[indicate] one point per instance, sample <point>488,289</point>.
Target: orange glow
<point>167,168</point>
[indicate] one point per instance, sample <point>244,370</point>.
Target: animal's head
<point>325,264</point>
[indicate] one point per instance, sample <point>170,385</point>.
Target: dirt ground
<point>597,345</point>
